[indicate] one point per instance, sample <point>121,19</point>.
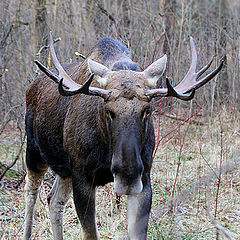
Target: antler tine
<point>194,57</point>
<point>191,74</point>
<point>211,75</point>
<point>173,93</point>
<point>64,80</point>
<point>65,92</point>
<point>62,74</point>
<point>190,80</point>
<point>86,89</point>
<point>48,72</point>
<point>186,88</point>
<point>205,68</point>
<point>83,89</point>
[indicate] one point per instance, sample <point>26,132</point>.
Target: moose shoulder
<point>97,130</point>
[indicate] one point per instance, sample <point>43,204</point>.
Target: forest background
<point>148,29</point>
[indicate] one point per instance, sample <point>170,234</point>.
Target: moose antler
<point>185,90</point>
<point>64,80</point>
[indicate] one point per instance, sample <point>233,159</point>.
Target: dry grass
<point>187,152</point>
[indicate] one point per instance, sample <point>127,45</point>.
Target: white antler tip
<point>192,42</point>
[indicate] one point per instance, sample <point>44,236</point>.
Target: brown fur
<point>94,141</point>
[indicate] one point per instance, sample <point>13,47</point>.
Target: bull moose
<point>95,127</point>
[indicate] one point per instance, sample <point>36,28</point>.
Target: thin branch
<point>46,47</point>
<point>3,126</point>
<point>105,12</point>
<point>16,158</point>
<point>7,118</point>
<point>219,227</point>
<point>5,36</point>
<point>188,193</point>
<point>4,72</point>
<point>80,55</point>
<point>183,119</point>
<point>13,210</point>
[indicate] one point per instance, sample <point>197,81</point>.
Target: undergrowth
<point>191,145</point>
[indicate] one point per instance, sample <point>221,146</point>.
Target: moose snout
<point>127,189</point>
<point>127,166</point>
<point>127,182</point>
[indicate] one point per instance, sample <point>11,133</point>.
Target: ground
<point>195,176</point>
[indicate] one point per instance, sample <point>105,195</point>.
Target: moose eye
<point>109,115</point>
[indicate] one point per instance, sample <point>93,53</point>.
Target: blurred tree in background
<point>148,28</point>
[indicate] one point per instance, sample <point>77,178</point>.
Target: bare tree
<point>169,22</point>
<point>41,30</point>
<point>221,47</point>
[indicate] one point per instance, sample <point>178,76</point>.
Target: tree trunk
<point>41,30</point>
<point>169,21</point>
<point>126,20</point>
<point>221,49</point>
<point>6,30</point>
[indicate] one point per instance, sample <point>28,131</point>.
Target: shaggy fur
<point>90,141</point>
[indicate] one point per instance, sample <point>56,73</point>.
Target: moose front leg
<point>138,211</point>
<point>84,200</point>
<point>57,200</point>
<point>31,189</point>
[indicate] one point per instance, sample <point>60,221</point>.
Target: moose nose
<point>127,181</point>
<point>125,187</point>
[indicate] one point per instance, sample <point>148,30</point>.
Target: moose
<point>94,127</point>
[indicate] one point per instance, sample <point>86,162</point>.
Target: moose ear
<point>99,70</point>
<point>155,70</point>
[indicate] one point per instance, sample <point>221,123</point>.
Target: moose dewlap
<point>93,127</point>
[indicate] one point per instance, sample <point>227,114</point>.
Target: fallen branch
<point>183,119</point>
<point>226,233</point>
<point>13,210</point>
<point>187,194</point>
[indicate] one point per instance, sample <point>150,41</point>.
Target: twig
<point>16,158</point>
<point>173,131</point>
<point>46,47</point>
<point>226,233</point>
<point>182,119</point>
<point>80,55</point>
<point>4,72</point>
<point>105,12</point>
<point>5,36</point>
<point>181,143</point>
<point>12,209</point>
<point>187,194</point>
<point>4,125</point>
<point>206,161</point>
<point>220,172</point>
